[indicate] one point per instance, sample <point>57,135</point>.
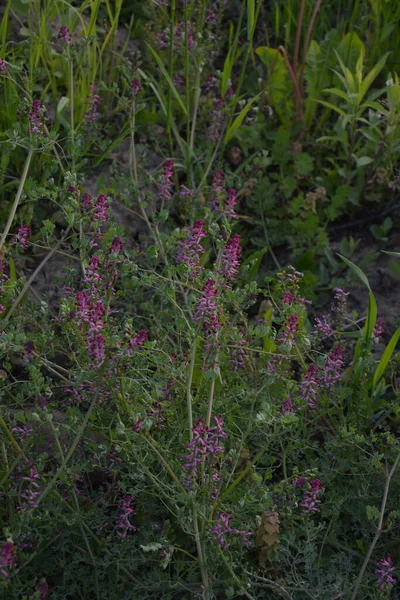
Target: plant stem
<point>189,389</point>
<point>17,198</point>
<point>10,435</point>
<point>379,529</point>
<point>65,460</point>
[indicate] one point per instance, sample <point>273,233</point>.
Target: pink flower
<point>299,482</point>
<point>116,245</point>
<point>135,86</point>
<point>205,447</point>
<point>287,407</point>
<point>223,202</point>
<point>86,201</point>
<point>3,67</point>
<point>289,330</point>
<point>214,132</point>
<point>166,182</point>
<point>43,589</point>
<point>101,208</point>
<point>190,249</point>
<point>139,339</point>
<point>322,325</point>
<point>238,355</point>
<point>230,260</point>
<point>221,529</point>
<point>385,573</point>
<point>7,559</point>
<point>310,500</point>
<point>207,308</point>
<point>379,328</point>
<point>20,239</point>
<point>333,367</point>
<point>64,35</point>
<point>125,513</point>
<point>309,386</point>
<point>36,118</point>
<point>92,102</point>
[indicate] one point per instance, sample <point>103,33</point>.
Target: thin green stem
<point>379,528</point>
<point>189,397</point>
<point>10,435</point>
<point>17,199</point>
<point>66,459</point>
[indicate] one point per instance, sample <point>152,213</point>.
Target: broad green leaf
<point>168,79</point>
<point>337,92</point>
<point>363,161</point>
<point>280,86</point>
<point>350,49</point>
<point>385,359</point>
<point>62,103</point>
<point>374,72</point>
<point>348,75</point>
<point>332,107</point>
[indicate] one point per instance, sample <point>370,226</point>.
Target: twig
<point>379,529</point>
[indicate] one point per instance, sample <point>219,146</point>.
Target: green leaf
<point>62,103</point>
<point>337,92</point>
<point>168,79</point>
<point>239,120</point>
<point>363,161</point>
<point>332,107</point>
<point>372,306</point>
<point>251,15</point>
<point>350,48</point>
<point>374,72</point>
<point>385,359</point>
<point>280,86</point>
<point>304,163</point>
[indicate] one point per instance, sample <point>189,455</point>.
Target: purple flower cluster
<point>3,67</point>
<point>166,182</point>
<point>3,278</point>
<point>90,311</point>
<point>221,529</point>
<point>310,499</point>
<point>287,407</point>
<point>116,245</point>
<point>309,386</point>
<point>379,328</point>
<point>289,330</point>
<point>139,339</point>
<point>163,37</point>
<point>123,520</point>
<point>21,238</point>
<point>7,559</point>
<point>214,131</point>
<point>207,308</point>
<point>322,325</point>
<point>204,448</point>
<point>333,367</point>
<point>92,102</point>
<point>65,35</point>
<point>238,355</point>
<point>230,260</point>
<point>36,118</point>
<point>222,201</point>
<point>385,573</point>
<point>190,249</point>
<point>30,488</point>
